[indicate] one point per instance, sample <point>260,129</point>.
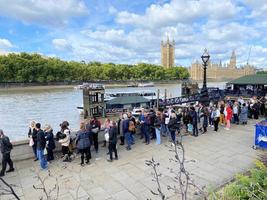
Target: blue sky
<point>124,31</point>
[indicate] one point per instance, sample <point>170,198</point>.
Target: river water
<point>52,106</point>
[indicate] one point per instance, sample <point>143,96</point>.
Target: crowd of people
<point>151,124</point>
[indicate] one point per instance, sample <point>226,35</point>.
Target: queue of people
<point>151,124</point>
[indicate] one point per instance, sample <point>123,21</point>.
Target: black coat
<point>41,142</point>
<point>49,136</point>
<point>113,133</point>
<point>33,134</point>
<point>172,124</point>
<point>5,145</point>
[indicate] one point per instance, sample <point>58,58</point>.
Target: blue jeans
<point>147,136</point>
<point>41,157</point>
<point>173,136</point>
<point>128,140</point>
<point>158,135</point>
<point>132,138</point>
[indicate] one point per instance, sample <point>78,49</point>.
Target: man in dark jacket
<point>41,143</point>
<point>113,133</point>
<point>193,115</point>
<point>6,148</point>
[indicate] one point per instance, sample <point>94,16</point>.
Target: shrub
<point>246,187</point>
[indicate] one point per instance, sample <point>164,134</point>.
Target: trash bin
<point>261,134</point>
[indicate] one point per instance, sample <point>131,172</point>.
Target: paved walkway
<point>219,156</point>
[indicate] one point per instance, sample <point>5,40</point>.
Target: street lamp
<point>204,91</point>
<point>205,58</point>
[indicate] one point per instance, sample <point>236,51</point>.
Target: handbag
<point>107,137</point>
<point>190,128</point>
<point>31,142</point>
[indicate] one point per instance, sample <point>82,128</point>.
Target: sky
<point>131,31</point>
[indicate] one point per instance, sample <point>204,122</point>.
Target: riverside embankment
<point>218,157</point>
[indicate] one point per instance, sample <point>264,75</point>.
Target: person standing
<point>142,121</point>
<point>172,126</point>
<point>216,117</point>
<point>193,116</point>
<point>65,141</point>
<point>83,143</point>
<point>186,119</point>
<point>50,146</point>
<point>95,128</point>
<point>107,127</point>
<point>222,116</point>
<point>113,132</point>
<point>6,148</point>
<point>41,143</point>
<point>205,115</point>
<point>146,128</point>
<point>235,113</point>
<point>126,131</point>
<point>32,134</point>
<point>244,114</point>
<point>228,117</point>
<point>157,124</point>
<point>131,118</point>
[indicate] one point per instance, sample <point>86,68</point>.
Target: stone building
<point>216,71</point>
<point>167,53</point>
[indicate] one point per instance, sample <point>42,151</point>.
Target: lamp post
<point>204,91</point>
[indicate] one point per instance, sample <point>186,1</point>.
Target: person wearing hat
<point>6,148</point>
<point>50,142</point>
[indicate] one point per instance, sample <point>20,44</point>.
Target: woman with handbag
<point>32,134</point>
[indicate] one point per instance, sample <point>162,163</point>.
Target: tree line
<point>25,67</point>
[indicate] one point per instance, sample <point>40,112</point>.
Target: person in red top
<point>228,117</point>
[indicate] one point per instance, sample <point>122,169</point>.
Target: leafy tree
<point>25,67</point>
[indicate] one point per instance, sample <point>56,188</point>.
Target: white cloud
<point>179,11</point>
<point>62,45</point>
<point>259,8</point>
<point>5,44</point>
<point>44,12</point>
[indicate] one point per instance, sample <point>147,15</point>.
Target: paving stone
<point>124,195</point>
<point>218,157</point>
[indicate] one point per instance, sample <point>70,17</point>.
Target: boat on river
<point>149,84</point>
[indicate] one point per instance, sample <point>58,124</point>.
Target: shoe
<point>116,158</point>
<point>121,143</point>
<point>36,159</point>
<point>10,170</point>
<point>109,160</point>
<point>87,162</point>
<point>141,138</point>
<point>128,149</point>
<point>2,174</point>
<point>82,164</point>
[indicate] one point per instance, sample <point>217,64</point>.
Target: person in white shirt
<point>216,117</point>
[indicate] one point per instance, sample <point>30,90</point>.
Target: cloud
<point>48,12</point>
<point>62,45</point>
<point>5,44</point>
<point>259,8</point>
<point>179,11</point>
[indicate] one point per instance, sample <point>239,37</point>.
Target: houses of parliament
<point>215,71</point>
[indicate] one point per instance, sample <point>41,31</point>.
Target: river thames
<point>52,106</point>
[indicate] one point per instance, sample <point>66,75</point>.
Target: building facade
<point>167,53</point>
<point>216,71</point>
